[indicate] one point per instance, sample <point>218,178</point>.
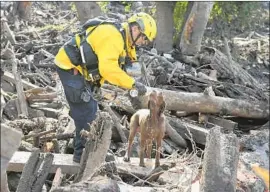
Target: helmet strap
<point>132,38</point>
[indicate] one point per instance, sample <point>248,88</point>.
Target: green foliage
<point>179,14</point>
<point>51,27</point>
<point>103,5</point>
<point>73,7</point>
<point>234,14</point>
<point>225,15</point>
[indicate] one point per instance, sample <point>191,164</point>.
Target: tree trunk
<point>87,10</point>
<point>199,102</point>
<point>191,37</point>
<point>165,25</point>
<point>22,9</point>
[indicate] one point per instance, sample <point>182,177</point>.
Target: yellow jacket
<point>107,43</point>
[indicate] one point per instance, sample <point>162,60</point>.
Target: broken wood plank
<point>220,162</point>
<point>64,161</point>
<point>57,178</point>
<point>35,172</point>
<point>9,77</point>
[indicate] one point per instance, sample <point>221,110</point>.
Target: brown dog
<point>151,124</point>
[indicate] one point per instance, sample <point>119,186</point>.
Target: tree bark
<point>220,162</point>
<point>199,102</point>
<point>87,10</point>
<point>22,9</point>
<point>191,37</point>
<point>165,25</point>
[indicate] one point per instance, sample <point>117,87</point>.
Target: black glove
<point>140,88</point>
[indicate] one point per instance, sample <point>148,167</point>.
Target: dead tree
<point>191,37</point>
<point>164,41</point>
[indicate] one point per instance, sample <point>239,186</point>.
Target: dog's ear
<point>161,102</point>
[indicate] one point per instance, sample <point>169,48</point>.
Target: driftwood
<point>198,102</point>
<point>220,162</point>
<point>35,172</point>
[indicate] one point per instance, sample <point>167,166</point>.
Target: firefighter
<point>97,55</point>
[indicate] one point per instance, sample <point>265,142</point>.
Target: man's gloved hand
<point>140,88</point>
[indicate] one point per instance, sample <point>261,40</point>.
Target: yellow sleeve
<point>108,44</point>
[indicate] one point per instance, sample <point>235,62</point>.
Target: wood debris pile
<point>204,91</point>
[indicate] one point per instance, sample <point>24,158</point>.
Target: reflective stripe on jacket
<point>107,43</point>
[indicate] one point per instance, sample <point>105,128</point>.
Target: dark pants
<point>81,112</point>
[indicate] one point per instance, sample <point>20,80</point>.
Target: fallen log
<point>199,102</point>
<point>220,162</point>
